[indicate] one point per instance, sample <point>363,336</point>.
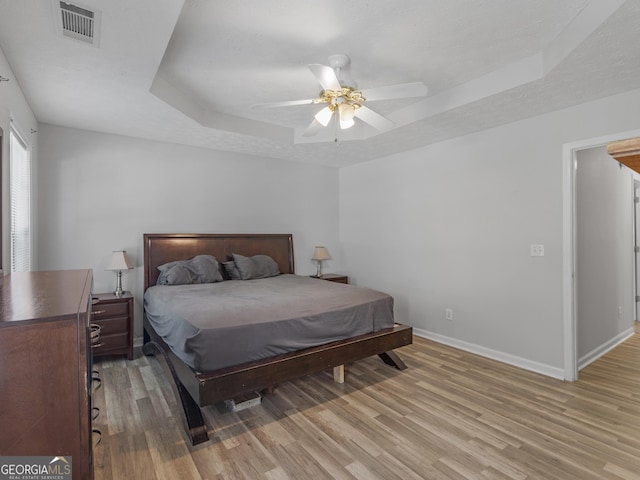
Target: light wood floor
<point>450,415</point>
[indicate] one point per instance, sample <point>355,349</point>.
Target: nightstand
<point>332,277</point>
<point>115,317</point>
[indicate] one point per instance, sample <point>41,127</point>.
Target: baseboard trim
<point>503,357</point>
<point>597,352</point>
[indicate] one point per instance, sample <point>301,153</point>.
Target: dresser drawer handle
<point>95,334</point>
<point>98,312</point>
<point>99,433</point>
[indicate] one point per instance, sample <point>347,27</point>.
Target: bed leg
<point>195,422</point>
<point>338,374</point>
<point>196,427</point>
<point>392,358</point>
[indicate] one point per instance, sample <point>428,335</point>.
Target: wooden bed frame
<point>201,389</point>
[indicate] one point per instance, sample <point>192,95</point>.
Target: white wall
<point>444,226</point>
<point>16,112</point>
<point>99,193</point>
<point>604,253</point>
<point>450,226</point>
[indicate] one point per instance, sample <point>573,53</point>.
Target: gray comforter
<point>215,325</point>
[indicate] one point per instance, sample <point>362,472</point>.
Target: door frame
<point>636,245</point>
<point>1,201</point>
<point>569,164</point>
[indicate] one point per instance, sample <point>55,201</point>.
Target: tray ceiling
<point>188,71</point>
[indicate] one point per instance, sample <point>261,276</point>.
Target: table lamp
<point>119,261</point>
<point>320,254</point>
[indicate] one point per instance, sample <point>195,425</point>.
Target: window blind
<point>20,209</point>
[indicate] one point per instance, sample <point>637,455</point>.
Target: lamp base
<point>118,291</point>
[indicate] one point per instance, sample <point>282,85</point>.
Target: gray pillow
<point>178,274</point>
<point>232,271</point>
<point>257,266</point>
<point>200,269</point>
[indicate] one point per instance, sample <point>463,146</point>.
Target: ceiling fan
<point>339,94</point>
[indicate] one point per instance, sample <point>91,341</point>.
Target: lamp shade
<point>320,253</point>
<point>347,113</point>
<point>119,261</point>
<point>324,116</point>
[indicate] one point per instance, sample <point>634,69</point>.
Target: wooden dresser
<point>45,367</point>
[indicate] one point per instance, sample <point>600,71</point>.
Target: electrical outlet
<point>537,250</point>
<point>448,314</point>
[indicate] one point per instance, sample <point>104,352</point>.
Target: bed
<point>204,378</point>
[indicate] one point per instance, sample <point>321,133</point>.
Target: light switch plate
<point>537,250</point>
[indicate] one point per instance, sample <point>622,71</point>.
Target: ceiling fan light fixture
<point>324,116</point>
<point>347,113</point>
<point>344,124</point>
<point>339,92</point>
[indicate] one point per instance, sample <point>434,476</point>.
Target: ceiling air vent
<point>79,23</point>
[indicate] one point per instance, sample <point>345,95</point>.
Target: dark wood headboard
<point>160,248</point>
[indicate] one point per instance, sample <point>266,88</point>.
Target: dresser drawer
<point>101,310</point>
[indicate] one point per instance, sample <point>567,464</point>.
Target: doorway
<point>572,360</point>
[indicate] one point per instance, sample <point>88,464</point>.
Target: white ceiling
<point>188,71</point>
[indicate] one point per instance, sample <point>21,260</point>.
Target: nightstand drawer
<point>112,342</point>
<point>101,310</point>
<point>109,326</point>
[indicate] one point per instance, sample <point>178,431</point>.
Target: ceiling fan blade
<point>402,90</point>
<point>284,104</point>
<point>374,119</point>
<point>313,129</point>
<point>326,76</point>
